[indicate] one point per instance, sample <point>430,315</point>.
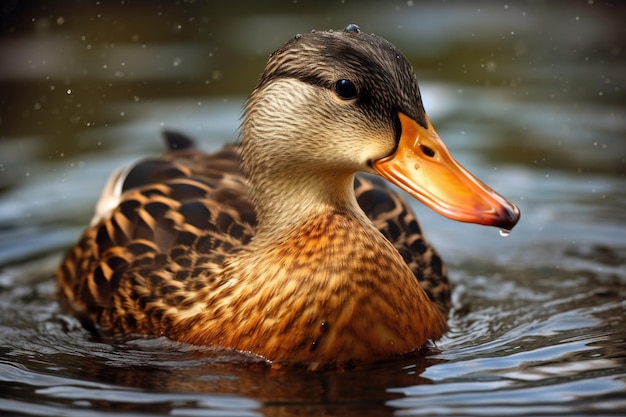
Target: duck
<point>288,244</point>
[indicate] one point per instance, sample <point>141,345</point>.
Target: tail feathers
<point>177,141</point>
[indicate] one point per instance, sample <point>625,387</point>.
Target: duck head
<point>330,104</point>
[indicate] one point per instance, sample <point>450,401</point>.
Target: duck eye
<point>345,89</point>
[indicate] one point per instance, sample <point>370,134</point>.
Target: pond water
<point>528,95</point>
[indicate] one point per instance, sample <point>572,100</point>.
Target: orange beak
<point>423,167</point>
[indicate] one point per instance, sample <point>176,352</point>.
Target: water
<point>528,96</point>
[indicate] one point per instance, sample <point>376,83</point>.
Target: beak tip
<point>510,216</point>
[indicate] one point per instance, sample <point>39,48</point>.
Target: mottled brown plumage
<point>274,246</point>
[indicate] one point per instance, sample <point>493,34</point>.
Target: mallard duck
<point>275,246</point>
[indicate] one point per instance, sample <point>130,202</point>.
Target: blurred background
<point>528,95</point>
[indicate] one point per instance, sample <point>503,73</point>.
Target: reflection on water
<point>528,95</point>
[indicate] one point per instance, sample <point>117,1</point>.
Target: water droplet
<point>505,232</point>
<point>416,166</point>
<point>352,28</point>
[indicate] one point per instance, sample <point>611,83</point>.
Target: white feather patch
<point>111,195</point>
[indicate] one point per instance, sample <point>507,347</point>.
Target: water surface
<point>528,95</point>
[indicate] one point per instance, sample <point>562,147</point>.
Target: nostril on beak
<point>427,151</point>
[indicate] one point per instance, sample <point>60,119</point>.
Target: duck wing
<point>161,220</point>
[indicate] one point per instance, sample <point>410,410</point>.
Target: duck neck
<point>285,201</point>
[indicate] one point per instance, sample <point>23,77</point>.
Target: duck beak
<point>423,167</point>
